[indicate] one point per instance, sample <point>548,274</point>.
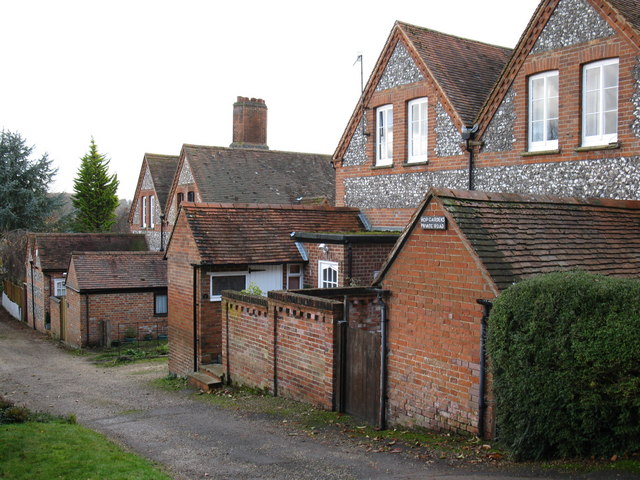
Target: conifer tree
<point>24,181</point>
<point>95,197</point>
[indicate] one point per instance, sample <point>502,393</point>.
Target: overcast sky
<point>149,75</point>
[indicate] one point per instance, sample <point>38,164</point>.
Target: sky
<point>151,75</point>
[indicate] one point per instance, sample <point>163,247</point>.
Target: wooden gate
<point>359,373</point>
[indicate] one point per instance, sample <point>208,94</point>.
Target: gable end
<point>400,70</point>
<point>572,22</point>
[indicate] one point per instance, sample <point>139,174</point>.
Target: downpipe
<point>382,421</point>
<point>482,407</point>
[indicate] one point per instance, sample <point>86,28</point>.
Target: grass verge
<point>135,353</point>
<point>37,446</point>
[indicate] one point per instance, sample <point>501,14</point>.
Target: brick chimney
<point>250,123</point>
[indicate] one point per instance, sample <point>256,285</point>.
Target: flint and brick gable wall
<point>434,331</point>
<point>504,163</point>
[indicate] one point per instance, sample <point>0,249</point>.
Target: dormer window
<point>417,130</point>
<point>180,198</point>
<point>151,211</point>
<point>191,197</point>
<point>384,135</point>
<point>543,111</point>
<point>143,203</point>
<point>600,102</point>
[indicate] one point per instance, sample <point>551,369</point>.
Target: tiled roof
<point>54,249</point>
<point>518,236</point>
<point>465,69</point>
<point>239,175</point>
<point>117,270</point>
<point>162,169</point>
<point>245,233</point>
<point>630,9</point>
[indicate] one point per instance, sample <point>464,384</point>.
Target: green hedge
<point>565,356</point>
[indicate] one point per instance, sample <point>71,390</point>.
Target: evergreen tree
<point>24,203</point>
<point>95,197</point>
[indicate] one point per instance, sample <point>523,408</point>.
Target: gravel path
<point>194,440</point>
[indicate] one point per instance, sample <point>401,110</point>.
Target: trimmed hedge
<point>565,354</point>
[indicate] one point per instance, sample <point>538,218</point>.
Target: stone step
<point>214,370</point>
<point>203,381</point>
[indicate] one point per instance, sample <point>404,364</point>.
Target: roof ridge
<point>231,149</point>
<point>427,29</point>
<point>507,197</point>
<point>265,206</point>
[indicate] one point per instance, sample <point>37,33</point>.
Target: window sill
<point>380,167</point>
<point>540,152</point>
<point>160,314</point>
<point>589,148</point>
<point>411,164</point>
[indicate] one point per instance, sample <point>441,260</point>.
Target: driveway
<point>193,439</point>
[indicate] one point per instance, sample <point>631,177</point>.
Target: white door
<point>327,274</point>
<point>267,277</point>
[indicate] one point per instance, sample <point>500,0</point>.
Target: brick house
<point>559,116</point>
<point>404,134</point>
<point>47,260</point>
<point>147,208</point>
<point>217,247</point>
<point>461,247</point>
<point>115,296</point>
<point>564,117</point>
<point>247,171</point>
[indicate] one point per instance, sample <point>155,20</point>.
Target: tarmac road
<point>192,439</point>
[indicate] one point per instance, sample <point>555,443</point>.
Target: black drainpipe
<point>483,405</point>
<point>33,304</point>
<point>342,354</point>
<point>382,421</point>
<point>350,263</point>
<point>162,232</point>
<point>467,136</point>
<point>275,351</point>
<point>87,321</point>
<point>195,318</point>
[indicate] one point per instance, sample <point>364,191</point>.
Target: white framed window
<point>160,304</point>
<point>295,276</point>
<point>417,130</point>
<point>600,102</point>
<point>384,135</point>
<point>543,111</point>
<point>59,289</point>
<point>327,274</point>
<point>220,281</point>
<point>151,211</point>
<point>143,201</point>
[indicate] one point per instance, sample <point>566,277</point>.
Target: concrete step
<point>203,381</point>
<point>214,370</point>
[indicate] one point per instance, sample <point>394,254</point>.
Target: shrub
<point>252,289</point>
<point>565,353</point>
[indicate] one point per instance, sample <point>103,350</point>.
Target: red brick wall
<point>302,338</point>
<point>366,259</point>
<point>55,315</point>
<point>76,319</point>
<point>109,317</point>
<point>569,63</point>
<point>287,343</point>
<point>434,331</point>
<point>181,255</point>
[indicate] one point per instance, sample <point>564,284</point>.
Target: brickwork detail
<point>356,154</point>
<point>447,136</point>
<point>398,191</point>
<point>499,136</point>
<point>572,22</point>
<point>400,70</point>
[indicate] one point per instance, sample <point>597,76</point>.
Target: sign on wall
<point>433,223</point>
